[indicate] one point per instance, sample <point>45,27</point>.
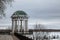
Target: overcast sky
<point>46,12</point>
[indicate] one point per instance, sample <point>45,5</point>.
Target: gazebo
<point>19,21</point>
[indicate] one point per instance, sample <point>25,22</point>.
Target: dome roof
<point>19,13</point>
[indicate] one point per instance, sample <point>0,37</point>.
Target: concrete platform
<point>6,37</point>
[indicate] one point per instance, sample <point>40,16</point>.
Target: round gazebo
<point>19,21</point>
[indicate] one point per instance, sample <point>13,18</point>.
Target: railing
<point>21,37</point>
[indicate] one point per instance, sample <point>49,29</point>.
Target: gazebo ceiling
<point>19,13</point>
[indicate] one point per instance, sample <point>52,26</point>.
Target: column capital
<point>26,19</point>
<point>15,20</point>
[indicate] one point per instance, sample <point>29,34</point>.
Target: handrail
<point>21,37</point>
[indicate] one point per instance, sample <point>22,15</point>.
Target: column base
<point>11,33</point>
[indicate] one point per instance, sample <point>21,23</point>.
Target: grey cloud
<point>36,9</point>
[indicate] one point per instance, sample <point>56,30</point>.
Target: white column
<point>26,25</point>
<point>18,25</point>
<point>21,25</point>
<point>13,27</point>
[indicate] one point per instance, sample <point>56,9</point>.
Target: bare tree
<point>3,6</point>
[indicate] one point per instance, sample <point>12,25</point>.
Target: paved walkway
<point>6,37</point>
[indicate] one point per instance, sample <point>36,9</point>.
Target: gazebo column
<point>15,25</point>
<point>21,25</point>
<point>26,26</point>
<point>18,26</point>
